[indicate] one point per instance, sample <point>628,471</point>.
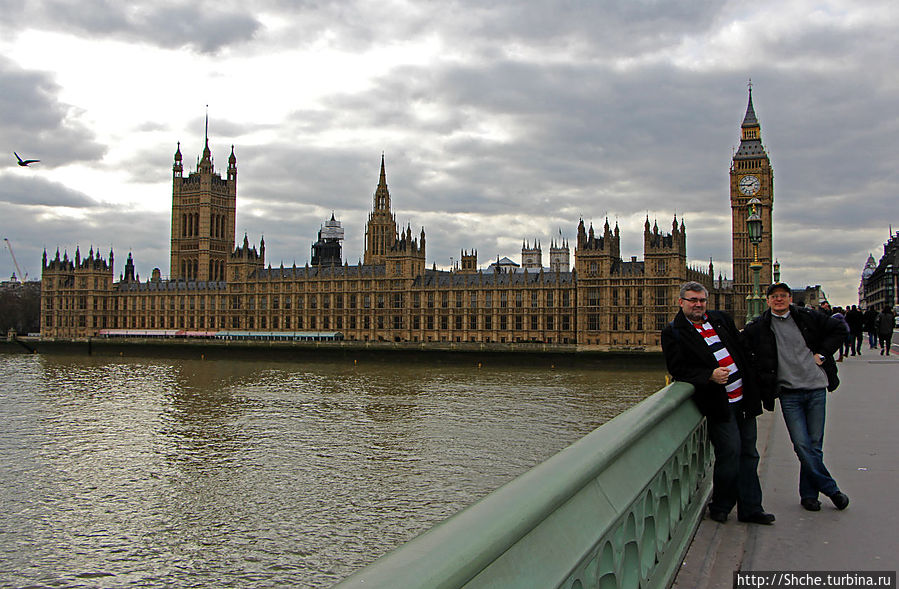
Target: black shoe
<point>766,519</point>
<point>840,500</point>
<point>718,516</point>
<point>811,504</point>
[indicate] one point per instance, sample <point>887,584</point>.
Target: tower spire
<point>206,162</point>
<point>750,120</point>
<point>382,194</point>
<point>380,233</point>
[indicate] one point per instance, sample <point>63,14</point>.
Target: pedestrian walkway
<point>861,450</point>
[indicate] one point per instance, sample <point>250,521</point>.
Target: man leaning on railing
<point>704,348</point>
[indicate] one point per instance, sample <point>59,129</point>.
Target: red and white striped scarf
<point>734,386</point>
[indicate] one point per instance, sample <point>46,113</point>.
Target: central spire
<point>206,162</point>
<point>380,233</point>
<point>382,195</point>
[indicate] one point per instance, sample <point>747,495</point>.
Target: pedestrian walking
<point>871,315</point>
<point>886,322</point>
<point>856,320</point>
<point>844,345</point>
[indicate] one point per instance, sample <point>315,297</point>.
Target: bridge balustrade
<point>616,509</point>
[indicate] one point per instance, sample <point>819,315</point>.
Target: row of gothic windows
<point>190,225</point>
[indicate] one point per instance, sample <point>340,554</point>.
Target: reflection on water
<point>187,473</point>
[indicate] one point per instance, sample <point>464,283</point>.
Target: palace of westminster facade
<point>604,302</point>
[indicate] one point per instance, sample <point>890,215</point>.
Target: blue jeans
<point>735,480</point>
<point>872,339</point>
<point>804,413</point>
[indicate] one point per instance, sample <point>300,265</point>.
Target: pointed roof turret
<point>382,194</point>
<point>205,163</point>
<point>750,120</point>
<point>751,147</point>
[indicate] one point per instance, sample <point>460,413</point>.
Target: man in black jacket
<point>703,348</point>
<point>871,326</point>
<point>856,321</point>
<point>792,351</point>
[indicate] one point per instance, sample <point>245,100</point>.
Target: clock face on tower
<point>749,185</point>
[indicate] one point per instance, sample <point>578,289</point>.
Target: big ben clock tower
<point>751,176</point>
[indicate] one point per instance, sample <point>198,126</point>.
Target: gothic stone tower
<point>559,255</point>
<point>594,261</point>
<point>204,207</point>
<point>380,233</point>
<point>751,176</point>
<point>531,257</point>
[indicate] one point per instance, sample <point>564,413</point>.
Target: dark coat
<point>822,334</point>
<point>856,321</point>
<point>871,316</point>
<point>886,322</point>
<point>690,360</point>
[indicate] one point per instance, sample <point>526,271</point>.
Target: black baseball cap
<point>778,285</point>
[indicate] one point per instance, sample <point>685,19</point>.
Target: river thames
<point>151,472</point>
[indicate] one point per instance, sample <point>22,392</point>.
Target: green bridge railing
<point>616,509</point>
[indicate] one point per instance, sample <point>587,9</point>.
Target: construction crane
<point>18,270</point>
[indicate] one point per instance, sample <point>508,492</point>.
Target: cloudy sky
<point>500,122</point>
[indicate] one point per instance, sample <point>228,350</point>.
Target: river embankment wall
<point>428,351</point>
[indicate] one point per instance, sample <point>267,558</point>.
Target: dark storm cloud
<point>121,230</point>
<point>36,125</point>
<point>578,133</point>
<point>199,26</point>
<point>618,27</point>
<point>39,192</point>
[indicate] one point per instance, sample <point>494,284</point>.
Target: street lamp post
<point>754,226</point>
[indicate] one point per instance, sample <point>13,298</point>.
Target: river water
<point>150,472</point>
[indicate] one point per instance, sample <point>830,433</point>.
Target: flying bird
<point>24,162</point>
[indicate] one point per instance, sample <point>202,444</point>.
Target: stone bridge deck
<point>861,450</point>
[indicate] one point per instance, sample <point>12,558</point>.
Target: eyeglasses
<point>694,300</point>
<point>781,295</point>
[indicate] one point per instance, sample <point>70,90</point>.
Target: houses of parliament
<point>215,284</point>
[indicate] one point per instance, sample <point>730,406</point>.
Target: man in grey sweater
<point>792,349</point>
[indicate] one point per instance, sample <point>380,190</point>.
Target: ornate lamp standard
<point>754,226</point>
